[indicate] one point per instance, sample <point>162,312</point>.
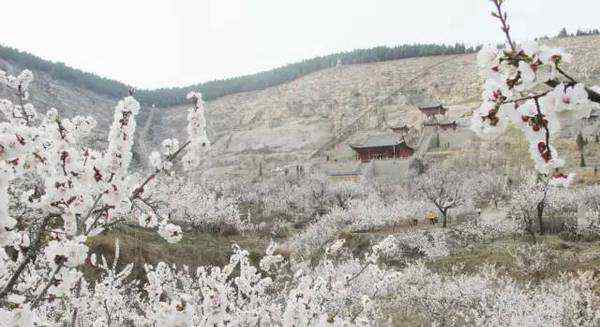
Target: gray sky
<point>155,43</point>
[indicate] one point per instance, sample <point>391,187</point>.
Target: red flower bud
<point>546,156</point>
<point>541,147</point>
<point>97,174</point>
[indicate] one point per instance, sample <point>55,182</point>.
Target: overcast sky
<point>160,43</point>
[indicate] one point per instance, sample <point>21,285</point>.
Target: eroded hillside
<point>288,123</point>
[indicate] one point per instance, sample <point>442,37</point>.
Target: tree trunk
<point>540,213</point>
<point>32,253</point>
<point>444,218</point>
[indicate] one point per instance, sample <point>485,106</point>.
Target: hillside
<point>287,123</point>
<point>172,96</point>
<point>70,100</point>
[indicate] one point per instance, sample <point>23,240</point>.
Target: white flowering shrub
<point>588,214</point>
<point>488,189</point>
<point>373,213</point>
<point>497,224</point>
<point>105,303</point>
<point>415,245</point>
<point>316,235</point>
<point>367,178</point>
<point>489,298</point>
<point>438,186</point>
<point>533,200</point>
<point>344,192</point>
<point>298,199</point>
<point>534,258</point>
<point>337,291</point>
<point>360,215</point>
<point>197,206</point>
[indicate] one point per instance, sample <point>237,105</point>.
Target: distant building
<point>382,147</point>
<point>443,126</point>
<point>431,111</point>
<point>429,107</point>
<point>350,176</point>
<point>400,129</point>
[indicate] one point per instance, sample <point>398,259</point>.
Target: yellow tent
<point>431,216</point>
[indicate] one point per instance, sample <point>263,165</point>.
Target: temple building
<point>429,107</point>
<point>443,126</point>
<point>432,110</point>
<point>404,129</point>
<point>349,176</point>
<point>382,147</point>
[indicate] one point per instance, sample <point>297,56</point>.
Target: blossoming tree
<point>439,187</point>
<point>63,192</point>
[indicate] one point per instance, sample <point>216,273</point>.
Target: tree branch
<point>45,290</point>
<point>31,254</point>
<point>140,189</point>
<point>593,95</point>
<point>502,16</point>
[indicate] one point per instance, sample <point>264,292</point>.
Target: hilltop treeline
<point>59,70</point>
<point>565,33</point>
<point>214,89</point>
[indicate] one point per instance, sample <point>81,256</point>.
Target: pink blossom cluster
<point>514,76</point>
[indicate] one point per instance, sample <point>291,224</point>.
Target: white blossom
<point>171,233</point>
